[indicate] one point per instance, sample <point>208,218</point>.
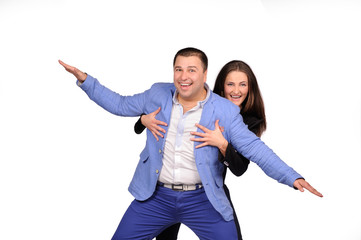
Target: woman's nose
<point>236,90</point>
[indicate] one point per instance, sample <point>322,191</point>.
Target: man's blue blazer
<point>210,169</point>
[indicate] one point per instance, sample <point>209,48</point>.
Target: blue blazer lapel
<point>165,113</point>
<point>207,118</point>
<point>165,102</point>
<point>167,107</point>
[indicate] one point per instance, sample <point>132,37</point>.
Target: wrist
<point>223,147</point>
<point>82,77</point>
<point>224,144</point>
<point>141,119</point>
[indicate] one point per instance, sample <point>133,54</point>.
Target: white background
<point>65,164</point>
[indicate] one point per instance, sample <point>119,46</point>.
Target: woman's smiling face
<point>236,87</point>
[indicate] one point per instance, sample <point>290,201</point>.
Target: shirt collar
<point>200,103</point>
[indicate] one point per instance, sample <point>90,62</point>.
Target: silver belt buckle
<point>177,187</point>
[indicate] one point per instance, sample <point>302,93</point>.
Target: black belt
<point>181,187</point>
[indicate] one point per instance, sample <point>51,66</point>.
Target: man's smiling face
<point>189,78</point>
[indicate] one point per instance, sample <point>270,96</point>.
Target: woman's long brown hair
<point>253,104</point>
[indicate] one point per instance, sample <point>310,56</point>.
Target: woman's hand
<point>213,138</point>
<point>152,124</point>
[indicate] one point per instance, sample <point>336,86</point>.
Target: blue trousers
<point>146,219</point>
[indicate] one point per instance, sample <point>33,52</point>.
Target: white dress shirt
<point>179,166</point>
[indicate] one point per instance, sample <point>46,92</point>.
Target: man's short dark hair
<point>188,52</point>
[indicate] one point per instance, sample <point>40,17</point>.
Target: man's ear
<point>205,76</point>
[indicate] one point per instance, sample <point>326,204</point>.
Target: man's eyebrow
<point>186,67</point>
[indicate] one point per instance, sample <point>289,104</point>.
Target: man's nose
<point>184,75</point>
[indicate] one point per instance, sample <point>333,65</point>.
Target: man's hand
<point>73,70</point>
<point>301,183</point>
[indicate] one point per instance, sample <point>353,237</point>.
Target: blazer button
<point>157,171</point>
<point>160,150</point>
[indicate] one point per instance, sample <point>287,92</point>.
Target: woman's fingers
<point>204,129</point>
<point>155,135</point>
<point>197,139</point>
<point>201,145</point>
<point>199,134</point>
<point>156,111</point>
<point>158,122</point>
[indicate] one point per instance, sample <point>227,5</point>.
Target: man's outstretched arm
<point>106,98</point>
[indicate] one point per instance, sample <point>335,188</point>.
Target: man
<point>174,181</point>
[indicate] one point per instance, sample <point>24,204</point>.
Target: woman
<point>237,83</point>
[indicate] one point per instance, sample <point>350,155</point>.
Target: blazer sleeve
<point>252,148</point>
<point>113,102</point>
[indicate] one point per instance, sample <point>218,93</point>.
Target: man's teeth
<point>185,84</point>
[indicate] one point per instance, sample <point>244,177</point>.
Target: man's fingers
<point>66,66</point>
<point>62,63</point>
<point>318,193</point>
<point>73,70</point>
<point>298,186</point>
<point>313,190</point>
